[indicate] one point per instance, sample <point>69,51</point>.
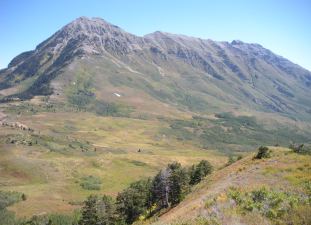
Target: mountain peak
<point>90,26</point>
<point>93,21</point>
<point>239,67</point>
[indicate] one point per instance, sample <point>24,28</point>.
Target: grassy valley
<point>102,127</point>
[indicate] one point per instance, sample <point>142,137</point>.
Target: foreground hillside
<point>228,196</point>
<point>95,110</point>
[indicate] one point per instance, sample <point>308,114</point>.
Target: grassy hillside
<point>52,161</point>
<point>274,190</point>
<point>58,154</point>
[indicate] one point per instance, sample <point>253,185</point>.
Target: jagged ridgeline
<point>184,72</point>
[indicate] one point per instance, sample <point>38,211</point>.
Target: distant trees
<point>98,211</point>
<point>144,197</point>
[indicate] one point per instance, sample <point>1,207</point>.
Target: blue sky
<point>282,26</point>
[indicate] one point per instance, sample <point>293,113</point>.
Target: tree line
<point>146,197</point>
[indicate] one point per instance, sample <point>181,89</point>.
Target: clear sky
<point>283,26</point>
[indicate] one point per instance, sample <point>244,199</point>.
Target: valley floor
<point>49,163</point>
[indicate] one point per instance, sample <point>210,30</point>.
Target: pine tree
<point>198,172</point>
<point>134,201</point>
<point>178,182</point>
<point>170,186</point>
<point>98,211</point>
<point>89,212</point>
<point>160,189</point>
<point>106,211</point>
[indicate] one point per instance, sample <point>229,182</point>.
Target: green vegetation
<point>98,211</point>
<point>146,197</point>
<point>275,205</point>
<point>199,171</point>
<point>238,132</point>
<point>170,186</point>
<point>263,152</point>
<point>54,144</point>
<point>91,183</point>
<point>9,198</point>
<point>81,94</point>
<point>232,159</point>
<point>134,201</point>
<point>9,218</point>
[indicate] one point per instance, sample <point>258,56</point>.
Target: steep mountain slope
<point>175,71</point>
<point>230,195</point>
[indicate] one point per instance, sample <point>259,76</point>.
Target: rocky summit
<point>167,67</point>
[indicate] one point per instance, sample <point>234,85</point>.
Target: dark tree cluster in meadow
<point>144,198</point>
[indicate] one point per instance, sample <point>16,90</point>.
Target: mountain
<point>94,108</point>
<point>175,71</point>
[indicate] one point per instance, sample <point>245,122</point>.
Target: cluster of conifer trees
<point>146,197</point>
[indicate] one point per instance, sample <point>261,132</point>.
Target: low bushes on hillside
<point>91,183</point>
<point>275,205</point>
<point>8,198</point>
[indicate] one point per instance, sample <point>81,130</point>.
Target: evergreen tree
<point>160,189</point>
<point>170,186</point>
<point>198,172</point>
<point>178,182</point>
<point>106,211</point>
<point>134,201</point>
<point>98,211</point>
<point>89,212</point>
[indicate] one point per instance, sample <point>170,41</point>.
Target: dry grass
<point>51,179</point>
<point>282,172</point>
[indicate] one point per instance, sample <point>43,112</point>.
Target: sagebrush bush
<point>275,205</point>
<point>91,183</point>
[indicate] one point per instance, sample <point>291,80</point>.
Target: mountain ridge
<point>232,72</point>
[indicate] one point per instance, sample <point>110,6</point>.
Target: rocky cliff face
<point>235,73</point>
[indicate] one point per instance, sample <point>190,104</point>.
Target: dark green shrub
<point>24,197</point>
<point>260,195</point>
<point>263,152</point>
